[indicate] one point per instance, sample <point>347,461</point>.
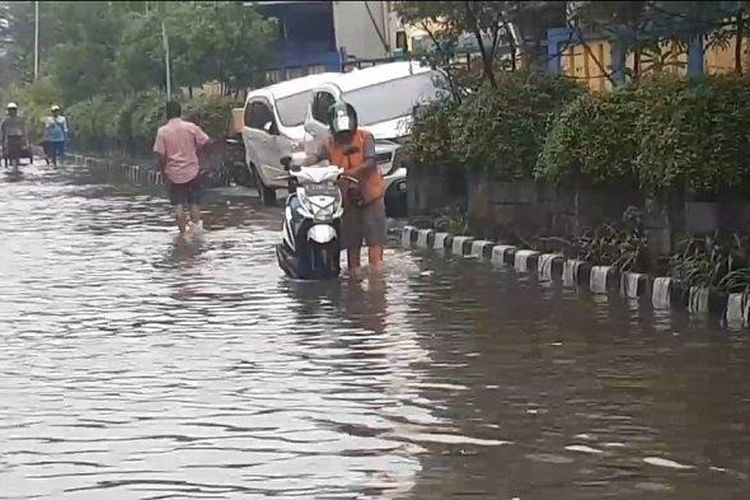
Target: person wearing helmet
<point>13,136</point>
<point>56,134</point>
<point>353,149</point>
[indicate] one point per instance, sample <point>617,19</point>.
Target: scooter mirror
<point>286,162</point>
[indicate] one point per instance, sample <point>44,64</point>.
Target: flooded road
<point>135,365</point>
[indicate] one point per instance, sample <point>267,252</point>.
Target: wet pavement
<point>134,364</point>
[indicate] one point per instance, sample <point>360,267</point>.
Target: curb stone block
<point>406,236</point>
<point>500,252</point>
<point>461,244</point>
<point>599,279</point>
<point>481,249</point>
<point>661,294</point>
<point>525,260</point>
<point>633,285</point>
<point>571,270</point>
<point>738,310</point>
<point>423,238</point>
<point>442,241</point>
<point>550,265</point>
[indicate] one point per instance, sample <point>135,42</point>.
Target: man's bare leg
<point>182,218</point>
<point>375,256</point>
<point>195,216</point>
<point>353,260</point>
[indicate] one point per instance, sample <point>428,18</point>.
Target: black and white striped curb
<point>134,173</point>
<point>663,292</point>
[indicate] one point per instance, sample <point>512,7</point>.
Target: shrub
<point>594,140</point>
<point>502,130</point>
<point>663,134</point>
<point>34,102</point>
<point>430,141</point>
<point>694,136</point>
<point>212,113</point>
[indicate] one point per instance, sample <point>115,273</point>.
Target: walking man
<point>176,147</point>
<point>13,137</point>
<point>56,134</point>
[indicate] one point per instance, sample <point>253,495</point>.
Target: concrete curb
<point>662,292</point>
<point>137,174</point>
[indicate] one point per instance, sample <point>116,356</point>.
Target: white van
<point>287,116</point>
<point>274,118</point>
<point>384,97</point>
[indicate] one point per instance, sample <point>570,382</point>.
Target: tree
<point>519,26</point>
<point>446,21</point>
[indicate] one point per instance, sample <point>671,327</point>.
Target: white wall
<point>356,31</point>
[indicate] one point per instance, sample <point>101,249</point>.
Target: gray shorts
<point>364,224</point>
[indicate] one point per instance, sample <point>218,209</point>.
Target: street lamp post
<point>36,40</point>
<point>166,59</point>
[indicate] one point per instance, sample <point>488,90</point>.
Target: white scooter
<point>311,245</point>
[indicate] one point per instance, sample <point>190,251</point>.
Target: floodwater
<point>136,365</point>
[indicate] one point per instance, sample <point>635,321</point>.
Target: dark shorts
<point>188,193</point>
<point>364,224</point>
<point>14,147</point>
<point>57,148</point>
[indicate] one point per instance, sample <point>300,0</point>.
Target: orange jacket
<point>371,181</point>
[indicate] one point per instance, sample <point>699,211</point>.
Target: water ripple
<point>134,364</point>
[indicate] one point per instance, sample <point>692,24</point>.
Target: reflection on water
<point>135,364</point>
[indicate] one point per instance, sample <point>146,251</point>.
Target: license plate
<point>320,190</point>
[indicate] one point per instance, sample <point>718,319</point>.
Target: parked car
<point>384,97</point>
<point>273,127</point>
<point>291,116</point>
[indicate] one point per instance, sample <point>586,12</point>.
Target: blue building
<point>307,40</point>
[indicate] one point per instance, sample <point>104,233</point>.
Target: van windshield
<point>390,100</point>
<point>292,109</point>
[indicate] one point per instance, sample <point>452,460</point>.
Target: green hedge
<point>124,124</point>
<point>130,123</point>
<point>662,134</point>
<point>34,102</point>
<point>593,140</point>
<point>501,129</point>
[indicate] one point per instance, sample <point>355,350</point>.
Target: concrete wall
<point>499,210</point>
<point>358,34</point>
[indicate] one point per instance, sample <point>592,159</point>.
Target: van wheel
<point>241,175</point>
<point>267,195</point>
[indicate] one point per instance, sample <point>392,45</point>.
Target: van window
<point>321,106</point>
<point>292,109</point>
<point>260,114</point>
<point>248,114</point>
<point>386,101</point>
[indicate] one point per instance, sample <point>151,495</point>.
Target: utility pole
<point>36,40</point>
<point>166,59</point>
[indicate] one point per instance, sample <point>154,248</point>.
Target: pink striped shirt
<point>179,141</point>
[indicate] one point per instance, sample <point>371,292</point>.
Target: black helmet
<point>342,117</point>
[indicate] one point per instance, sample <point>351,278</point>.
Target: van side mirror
<point>268,127</point>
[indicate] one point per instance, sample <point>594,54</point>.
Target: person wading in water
<point>176,146</point>
<point>13,137</point>
<point>56,134</point>
<point>353,149</point>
